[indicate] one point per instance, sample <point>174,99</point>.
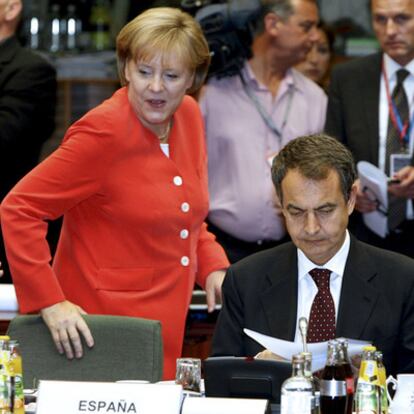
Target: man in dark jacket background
<point>27,105</point>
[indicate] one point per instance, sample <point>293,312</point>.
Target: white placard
<point>193,405</point>
<point>67,397</point>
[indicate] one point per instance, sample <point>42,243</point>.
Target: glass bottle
<point>16,373</point>
<point>5,401</point>
<point>333,383</point>
<point>296,392</point>
<point>315,402</point>
<point>383,383</point>
<point>100,21</point>
<point>55,27</point>
<point>73,28</point>
<point>367,391</point>
<point>349,375</point>
<point>34,28</point>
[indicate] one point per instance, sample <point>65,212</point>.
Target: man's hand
<point>266,354</point>
<point>65,322</point>
<point>1,271</point>
<point>213,288</point>
<point>405,188</point>
<point>363,203</point>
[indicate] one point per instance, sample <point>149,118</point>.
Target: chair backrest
<point>125,348</point>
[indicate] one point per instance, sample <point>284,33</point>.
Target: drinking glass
<point>188,373</point>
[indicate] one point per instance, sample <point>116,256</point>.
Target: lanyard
<point>403,130</point>
<point>265,116</point>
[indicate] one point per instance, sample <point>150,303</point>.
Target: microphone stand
<point>303,329</point>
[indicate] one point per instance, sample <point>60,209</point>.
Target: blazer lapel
<point>358,297</point>
<point>279,301</point>
<point>370,80</point>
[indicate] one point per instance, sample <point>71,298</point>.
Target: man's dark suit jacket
<point>376,302</point>
<point>353,118</point>
<point>27,110</point>
<point>27,113</point>
<point>353,106</point>
<point>352,115</point>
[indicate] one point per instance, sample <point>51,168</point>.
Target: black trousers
<point>237,249</point>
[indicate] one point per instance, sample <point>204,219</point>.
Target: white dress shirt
<point>307,288</point>
<point>391,68</point>
<point>165,148</point>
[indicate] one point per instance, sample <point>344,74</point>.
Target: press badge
<point>399,161</point>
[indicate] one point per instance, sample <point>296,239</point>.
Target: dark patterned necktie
<point>397,206</point>
<point>322,314</point>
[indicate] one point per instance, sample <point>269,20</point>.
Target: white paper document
<point>286,349</point>
<point>374,182</point>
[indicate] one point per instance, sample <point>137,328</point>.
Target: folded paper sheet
<point>286,349</point>
<point>8,300</point>
<point>374,182</point>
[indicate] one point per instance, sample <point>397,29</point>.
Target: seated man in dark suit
<point>342,286</point>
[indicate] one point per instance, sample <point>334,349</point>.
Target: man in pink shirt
<point>249,117</point>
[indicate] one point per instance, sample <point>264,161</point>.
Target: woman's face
<point>156,88</point>
<point>316,64</point>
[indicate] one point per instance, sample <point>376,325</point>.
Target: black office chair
<point>125,348</point>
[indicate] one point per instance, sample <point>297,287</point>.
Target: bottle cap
<point>298,358</point>
<point>369,348</point>
<point>307,355</point>
<point>4,338</point>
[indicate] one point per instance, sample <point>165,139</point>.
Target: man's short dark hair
<point>315,156</point>
<point>283,8</point>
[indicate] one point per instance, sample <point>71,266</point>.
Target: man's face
<point>316,214</point>
<point>3,4</point>
<point>297,34</point>
<point>393,22</point>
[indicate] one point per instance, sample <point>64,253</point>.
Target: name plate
<point>67,397</point>
<point>224,406</point>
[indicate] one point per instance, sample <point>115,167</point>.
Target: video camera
<point>228,27</point>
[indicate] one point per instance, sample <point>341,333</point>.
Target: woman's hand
<point>65,322</point>
<point>213,288</point>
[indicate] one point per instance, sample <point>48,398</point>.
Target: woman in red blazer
<point>130,180</point>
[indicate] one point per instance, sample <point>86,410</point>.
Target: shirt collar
<point>289,80</point>
<point>391,67</point>
<point>336,264</point>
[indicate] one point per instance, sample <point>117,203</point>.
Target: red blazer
<point>133,240</point>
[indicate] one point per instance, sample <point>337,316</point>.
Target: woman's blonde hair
<point>164,30</point>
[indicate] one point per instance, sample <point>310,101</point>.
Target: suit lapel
<point>279,301</point>
<point>369,87</point>
<point>358,296</point>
